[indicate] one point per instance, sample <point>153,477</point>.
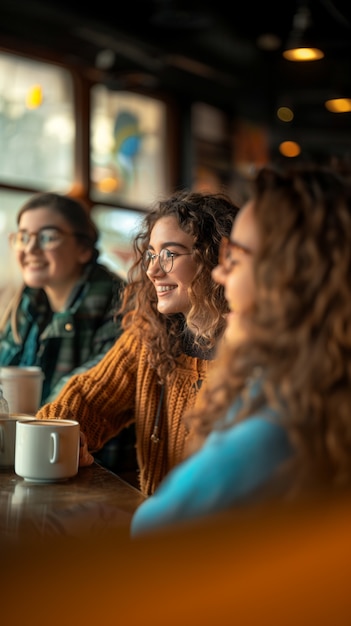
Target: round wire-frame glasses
<point>165,259</point>
<point>225,258</point>
<point>47,238</point>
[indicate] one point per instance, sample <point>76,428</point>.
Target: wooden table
<point>94,501</point>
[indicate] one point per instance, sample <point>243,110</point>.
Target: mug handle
<point>55,448</point>
<point>2,440</point>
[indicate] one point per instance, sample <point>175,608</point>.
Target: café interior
<point>206,92</point>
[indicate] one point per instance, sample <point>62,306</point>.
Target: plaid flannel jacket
<point>66,342</point>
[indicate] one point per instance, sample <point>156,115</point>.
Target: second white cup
<point>8,437</point>
<point>48,451</point>
<point>22,387</point>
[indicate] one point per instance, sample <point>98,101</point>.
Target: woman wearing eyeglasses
<point>274,418</point>
<point>173,316</point>
<point>63,319</point>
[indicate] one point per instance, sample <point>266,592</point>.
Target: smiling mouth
<point>165,288</point>
<point>35,266</point>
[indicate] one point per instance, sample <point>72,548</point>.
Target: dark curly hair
<point>207,218</point>
<point>299,331</point>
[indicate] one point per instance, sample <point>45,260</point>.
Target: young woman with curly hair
<point>173,316</point>
<point>274,418</point>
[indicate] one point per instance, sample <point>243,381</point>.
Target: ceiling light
<point>303,54</point>
<point>338,105</point>
<point>300,46</point>
<point>290,149</point>
<point>285,114</point>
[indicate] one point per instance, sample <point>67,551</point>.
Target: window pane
<point>117,229</point>
<point>37,130</point>
<point>128,158</point>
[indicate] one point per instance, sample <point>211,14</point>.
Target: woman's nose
<point>155,268</point>
<point>32,244</point>
<point>218,274</point>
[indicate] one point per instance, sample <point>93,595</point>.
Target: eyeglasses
<point>225,258</point>
<point>165,259</point>
<point>46,238</point>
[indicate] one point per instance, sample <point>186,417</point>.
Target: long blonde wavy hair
<point>299,331</point>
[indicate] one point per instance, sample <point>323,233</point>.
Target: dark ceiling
<point>203,50</point>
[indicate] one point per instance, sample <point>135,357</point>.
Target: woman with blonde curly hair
<point>173,316</point>
<point>274,418</point>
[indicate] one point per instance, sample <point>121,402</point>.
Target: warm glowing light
<point>289,149</point>
<point>339,105</point>
<point>34,97</point>
<point>285,114</point>
<point>108,184</point>
<point>303,54</point>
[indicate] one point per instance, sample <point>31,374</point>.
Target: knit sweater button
<point>68,327</point>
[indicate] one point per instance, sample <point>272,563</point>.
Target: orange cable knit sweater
<point>122,389</point>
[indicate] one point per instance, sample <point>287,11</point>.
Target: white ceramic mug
<point>8,437</point>
<point>22,387</point>
<point>48,451</point>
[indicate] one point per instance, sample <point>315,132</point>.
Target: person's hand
<point>85,458</point>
